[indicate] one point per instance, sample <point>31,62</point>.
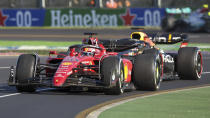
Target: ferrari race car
<point>113,66</point>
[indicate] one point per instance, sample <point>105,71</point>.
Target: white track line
<point>8,95</point>
<point>4,67</point>
<point>13,94</point>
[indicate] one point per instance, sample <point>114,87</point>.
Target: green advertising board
<point>83,17</point>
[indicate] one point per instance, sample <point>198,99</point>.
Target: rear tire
<point>25,70</point>
<point>189,63</point>
<point>147,72</point>
<point>112,77</point>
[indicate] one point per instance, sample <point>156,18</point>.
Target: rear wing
<point>121,44</point>
<point>169,38</point>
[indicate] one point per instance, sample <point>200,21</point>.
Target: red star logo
<point>2,19</point>
<point>128,18</point>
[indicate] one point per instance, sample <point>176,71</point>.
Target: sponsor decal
<point>67,63</point>
<point>59,75</point>
<point>167,38</point>
<point>69,73</point>
<point>87,62</point>
<point>62,70</point>
<point>168,59</point>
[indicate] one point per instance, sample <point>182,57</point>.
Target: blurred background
<point>101,3</point>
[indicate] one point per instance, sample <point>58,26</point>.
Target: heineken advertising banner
<point>104,17</point>
<point>81,17</point>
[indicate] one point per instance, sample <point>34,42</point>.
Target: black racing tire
<point>189,63</point>
<point>155,52</point>
<point>147,72</point>
<point>112,77</point>
<point>24,72</point>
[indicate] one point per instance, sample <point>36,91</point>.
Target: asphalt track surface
<point>60,104</point>
<point>52,103</point>
<point>77,34</point>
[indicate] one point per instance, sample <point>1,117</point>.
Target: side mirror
<point>53,52</point>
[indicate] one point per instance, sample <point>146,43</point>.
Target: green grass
<point>184,104</point>
<point>38,43</point>
<point>205,49</point>
<point>67,43</point>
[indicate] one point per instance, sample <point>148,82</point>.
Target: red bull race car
<point>111,65</point>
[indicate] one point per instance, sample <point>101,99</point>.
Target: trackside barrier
<point>81,17</point>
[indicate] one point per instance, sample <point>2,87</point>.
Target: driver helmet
<point>138,35</point>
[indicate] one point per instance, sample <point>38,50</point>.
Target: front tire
<point>112,72</point>
<point>25,70</point>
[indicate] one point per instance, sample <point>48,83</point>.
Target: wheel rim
<point>121,80</point>
<point>199,64</point>
<point>157,72</point>
<point>157,75</point>
<point>113,76</point>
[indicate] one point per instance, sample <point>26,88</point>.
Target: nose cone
<point>65,69</point>
<point>62,73</point>
<point>59,79</point>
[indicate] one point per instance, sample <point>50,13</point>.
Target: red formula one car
<point>113,66</point>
